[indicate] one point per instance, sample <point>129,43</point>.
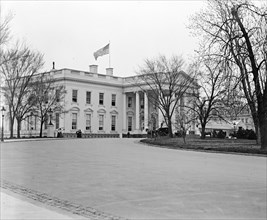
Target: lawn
<point>209,144</point>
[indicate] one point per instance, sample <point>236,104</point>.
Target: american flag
<point>102,51</point>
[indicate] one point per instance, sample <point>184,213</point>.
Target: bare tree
<point>18,67</point>
<point>4,30</point>
<point>47,95</point>
<point>234,102</point>
<point>166,82</point>
<point>183,121</point>
<point>4,38</point>
<point>207,102</point>
<point>25,107</point>
<point>236,31</point>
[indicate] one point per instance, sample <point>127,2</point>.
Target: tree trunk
<point>11,127</point>
<point>170,127</point>
<point>18,127</point>
<point>262,118</point>
<point>262,114</point>
<point>256,123</point>
<point>263,130</point>
<point>258,134</point>
<point>184,139</point>
<point>41,129</point>
<point>261,98</point>
<point>203,128</point>
<point>184,135</point>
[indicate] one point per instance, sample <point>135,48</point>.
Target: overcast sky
<point>69,32</point>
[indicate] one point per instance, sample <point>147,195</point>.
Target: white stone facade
<point>98,104</point>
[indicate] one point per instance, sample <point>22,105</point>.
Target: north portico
<point>98,104</point>
<point>136,111</point>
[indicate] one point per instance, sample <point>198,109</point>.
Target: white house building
<point>98,105</point>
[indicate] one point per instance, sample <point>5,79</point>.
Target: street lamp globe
<point>3,110</point>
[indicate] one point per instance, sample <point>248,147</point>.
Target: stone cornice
<point>71,79</point>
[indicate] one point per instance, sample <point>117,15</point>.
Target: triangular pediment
<point>89,110</point>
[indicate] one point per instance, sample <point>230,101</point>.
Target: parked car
<point>178,133</point>
<point>163,131</point>
<point>151,133</point>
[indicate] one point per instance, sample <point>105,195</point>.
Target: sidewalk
<point>30,139</point>
<point>16,208</point>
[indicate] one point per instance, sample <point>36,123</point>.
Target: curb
<point>31,139</point>
<point>52,201</point>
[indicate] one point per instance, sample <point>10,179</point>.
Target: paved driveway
<point>135,181</point>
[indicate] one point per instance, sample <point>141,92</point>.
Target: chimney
<point>93,68</point>
<point>109,71</point>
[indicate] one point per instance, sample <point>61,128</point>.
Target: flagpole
<point>109,53</point>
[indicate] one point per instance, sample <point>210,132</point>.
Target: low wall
<point>134,136</point>
<point>91,135</point>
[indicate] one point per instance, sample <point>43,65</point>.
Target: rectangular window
<point>88,122</point>
<point>57,120</point>
<point>46,97</point>
<point>113,123</point>
<point>113,100</point>
<point>74,95</point>
<point>142,104</point>
<point>101,98</point>
<point>130,122</point>
<point>88,97</point>
<point>130,102</point>
<point>101,122</point>
<point>74,121</point>
<point>57,95</point>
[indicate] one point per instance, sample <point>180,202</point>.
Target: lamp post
<point>50,114</point>
<point>3,115</point>
<point>234,128</point>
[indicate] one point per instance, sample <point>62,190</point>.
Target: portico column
<point>137,111</point>
<point>146,111</point>
<point>124,112</point>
